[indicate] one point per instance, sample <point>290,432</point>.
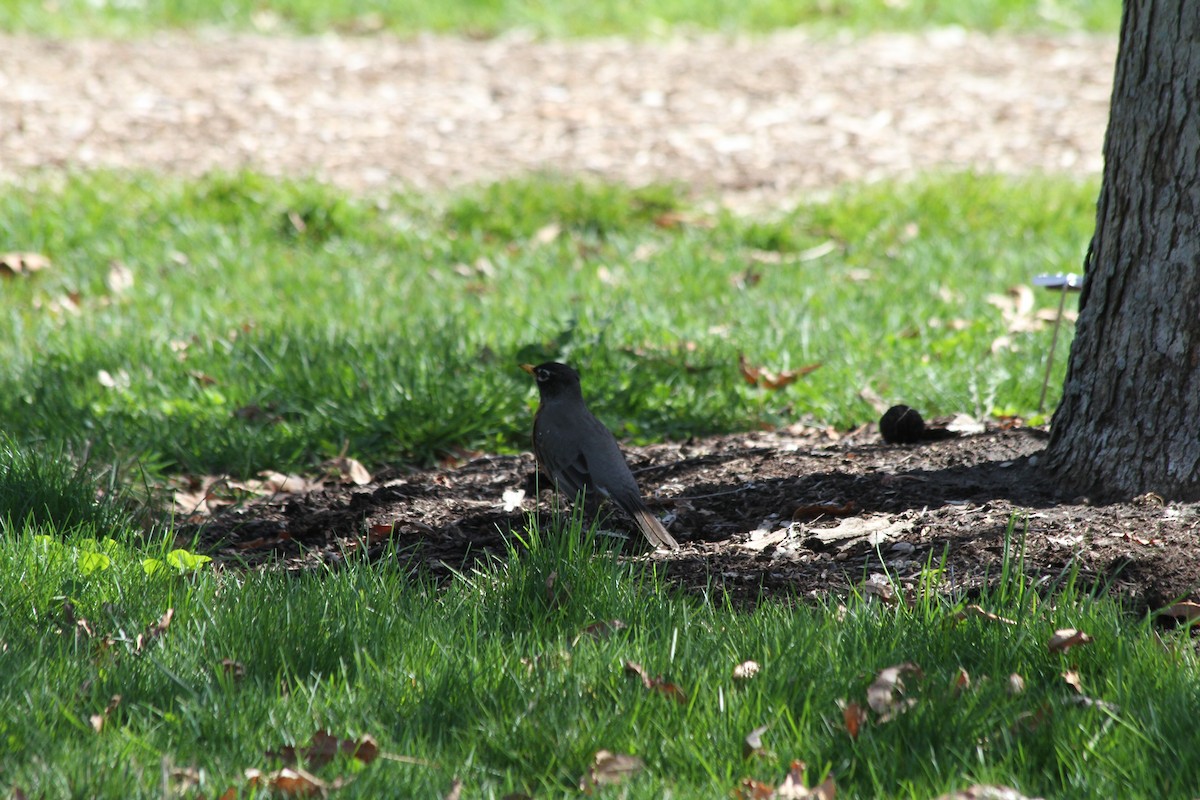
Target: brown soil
<point>756,121</point>
<point>799,512</point>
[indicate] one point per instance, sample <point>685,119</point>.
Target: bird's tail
<point>653,529</point>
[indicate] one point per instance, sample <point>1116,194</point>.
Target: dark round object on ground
<point>901,425</point>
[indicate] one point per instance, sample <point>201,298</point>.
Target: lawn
<point>236,324</point>
<point>483,18</point>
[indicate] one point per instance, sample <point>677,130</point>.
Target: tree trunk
<point>1129,419</point>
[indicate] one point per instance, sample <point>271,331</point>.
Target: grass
<point>490,680</point>
<point>235,324</point>
<point>574,18</point>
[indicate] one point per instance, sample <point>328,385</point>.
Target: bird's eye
<point>543,375</point>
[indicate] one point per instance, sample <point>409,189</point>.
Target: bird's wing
<point>573,475</point>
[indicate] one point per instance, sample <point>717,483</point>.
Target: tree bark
<point>1129,419</point>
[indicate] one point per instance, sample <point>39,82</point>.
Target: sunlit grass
<point>569,18</point>
<point>239,324</point>
<point>505,680</point>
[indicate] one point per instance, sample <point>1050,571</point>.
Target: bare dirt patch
<point>752,120</point>
<point>794,512</point>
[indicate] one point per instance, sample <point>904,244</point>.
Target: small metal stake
<point>1064,283</point>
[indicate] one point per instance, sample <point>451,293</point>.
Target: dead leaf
<point>98,720</point>
<point>657,684</point>
<point>979,611</point>
<point>747,278</point>
<point>1016,309</point>
<point>154,631</point>
<point>1016,684</point>
<point>749,372</point>
<point>119,278</point>
<point>456,787</point>
<point>547,233</point>
<point>1185,611</point>
<point>323,748</point>
<point>1066,638</point>
<point>1082,701</point>
<point>380,532</point>
<point>287,781</point>
<point>878,585</point>
<point>760,540</point>
<point>763,378</point>
<point>793,787</point>
<point>854,716</point>
<point>12,264</point>
<point>1071,678</point>
<point>1128,537</point>
<point>985,792</point>
<point>962,680</point>
<point>752,745</point>
<point>885,695</point>
<point>233,669</point>
<point>750,789</point>
<point>256,413</point>
<point>745,670</point>
<point>874,529</point>
<point>344,469</point>
<point>264,542</point>
<point>184,779</point>
<point>600,630</point>
<point>608,769</point>
<point>554,596</point>
<point>272,483</point>
<point>512,499</point>
<point>110,381</point>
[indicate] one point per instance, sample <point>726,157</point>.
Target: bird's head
<point>553,378</point>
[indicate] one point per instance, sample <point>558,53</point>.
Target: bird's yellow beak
<point>529,368</point>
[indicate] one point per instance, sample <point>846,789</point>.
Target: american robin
<point>580,454</point>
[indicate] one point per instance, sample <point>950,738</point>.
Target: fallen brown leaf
<point>980,612</point>
<point>1066,638</point>
<point>119,278</point>
<point>793,787</point>
<point>456,787</point>
<point>608,769</point>
<point>287,781</point>
<point>763,378</point>
<point>1185,611</point>
<point>323,748</point>
<point>854,717</point>
<point>657,683</point>
<point>22,263</point>
<point>600,630</point>
<point>984,792</point>
<point>98,720</point>
<point>752,745</point>
<point>750,789</point>
<point>234,669</point>
<point>885,694</point>
<point>1071,678</point>
<point>154,631</point>
<point>345,470</point>
<point>745,670</point>
<point>1016,684</point>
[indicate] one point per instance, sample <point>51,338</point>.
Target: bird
<point>580,454</point>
